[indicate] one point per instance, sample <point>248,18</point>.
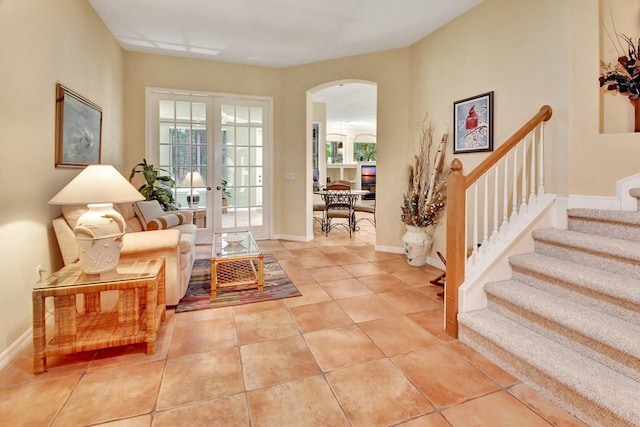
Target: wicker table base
<point>244,267</point>
<point>81,324</point>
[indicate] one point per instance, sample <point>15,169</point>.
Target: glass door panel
<point>214,146</point>
<point>242,165</point>
<point>182,151</point>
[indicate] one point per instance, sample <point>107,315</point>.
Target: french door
<point>241,150</point>
<point>217,150</point>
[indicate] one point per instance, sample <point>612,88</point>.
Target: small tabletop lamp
<point>193,179</point>
<point>99,230</point>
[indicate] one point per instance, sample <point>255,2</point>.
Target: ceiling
<point>278,33</point>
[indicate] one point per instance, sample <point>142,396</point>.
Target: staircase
<point>568,321</point>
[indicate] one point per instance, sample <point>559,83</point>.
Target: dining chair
<point>320,207</point>
<point>339,205</point>
<point>365,208</point>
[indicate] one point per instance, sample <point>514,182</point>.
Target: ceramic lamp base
<point>99,238</point>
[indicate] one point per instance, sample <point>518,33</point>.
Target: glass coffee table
<point>236,261</point>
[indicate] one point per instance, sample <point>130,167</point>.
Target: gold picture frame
<point>78,129</point>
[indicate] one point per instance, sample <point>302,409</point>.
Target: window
<point>364,151</point>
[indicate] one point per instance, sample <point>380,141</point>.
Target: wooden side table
<point>82,325</point>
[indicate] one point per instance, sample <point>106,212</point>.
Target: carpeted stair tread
<point>601,245</point>
<point>612,285</point>
<point>567,319</point>
<point>583,376</point>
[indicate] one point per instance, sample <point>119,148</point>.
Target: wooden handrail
<point>543,115</point>
<point>457,186</point>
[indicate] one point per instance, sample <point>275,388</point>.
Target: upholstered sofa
<point>150,232</point>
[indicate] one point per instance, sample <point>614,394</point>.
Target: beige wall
<point>597,160</point>
<point>618,16</point>
<point>528,53</point>
<point>43,42</point>
<point>519,53</point>
<point>389,70</point>
<point>144,70</point>
<point>291,149</point>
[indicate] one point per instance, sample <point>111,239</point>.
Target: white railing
<point>502,195</point>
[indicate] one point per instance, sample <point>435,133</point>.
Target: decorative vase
<point>636,106</point>
<point>99,238</point>
<point>417,244</point>
<point>193,200</point>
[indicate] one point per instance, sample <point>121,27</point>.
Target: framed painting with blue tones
<point>78,129</point>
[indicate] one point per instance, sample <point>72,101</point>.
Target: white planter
<point>417,245</point>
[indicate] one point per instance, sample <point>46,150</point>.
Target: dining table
<point>354,195</point>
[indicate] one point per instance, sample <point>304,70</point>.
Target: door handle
<point>217,188</point>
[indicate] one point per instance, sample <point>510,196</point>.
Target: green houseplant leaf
<point>156,187</point>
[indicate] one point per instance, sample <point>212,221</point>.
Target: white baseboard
<point>23,342</point>
<point>577,201</point>
<point>292,237</point>
<point>389,249</point>
<point>627,202</point>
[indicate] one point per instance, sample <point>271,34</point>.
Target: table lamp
<point>99,230</point>
<point>193,179</point>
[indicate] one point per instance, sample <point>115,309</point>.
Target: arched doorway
<point>341,139</point>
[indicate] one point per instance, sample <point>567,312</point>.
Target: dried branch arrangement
<point>425,199</point>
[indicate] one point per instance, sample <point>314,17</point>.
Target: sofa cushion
<point>128,212</point>
<point>148,210</point>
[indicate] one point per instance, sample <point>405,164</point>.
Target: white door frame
<point>152,94</point>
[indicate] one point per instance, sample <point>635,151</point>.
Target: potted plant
<point>226,195</point>
<point>425,199</point>
<point>156,187</point>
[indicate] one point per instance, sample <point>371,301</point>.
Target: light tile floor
<point>363,346</point>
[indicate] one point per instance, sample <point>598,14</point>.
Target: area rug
<point>198,297</point>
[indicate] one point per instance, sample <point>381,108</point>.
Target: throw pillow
<point>148,210</point>
<point>167,221</point>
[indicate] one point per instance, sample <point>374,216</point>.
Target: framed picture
<point>473,124</point>
<point>78,129</point>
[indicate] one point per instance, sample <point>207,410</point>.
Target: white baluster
<point>495,235</point>
<point>523,203</point>
<point>485,215</point>
<point>541,164</point>
<point>532,180</point>
<point>514,197</point>
<point>504,228</point>
<point>474,253</point>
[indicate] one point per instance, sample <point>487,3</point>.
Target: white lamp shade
<point>97,184</point>
<point>193,179</point>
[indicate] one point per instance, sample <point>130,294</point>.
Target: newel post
<point>456,237</point>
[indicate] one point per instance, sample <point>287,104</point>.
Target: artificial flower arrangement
<point>624,75</point>
<point>426,195</point>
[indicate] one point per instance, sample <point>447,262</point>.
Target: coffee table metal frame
<point>236,260</point>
